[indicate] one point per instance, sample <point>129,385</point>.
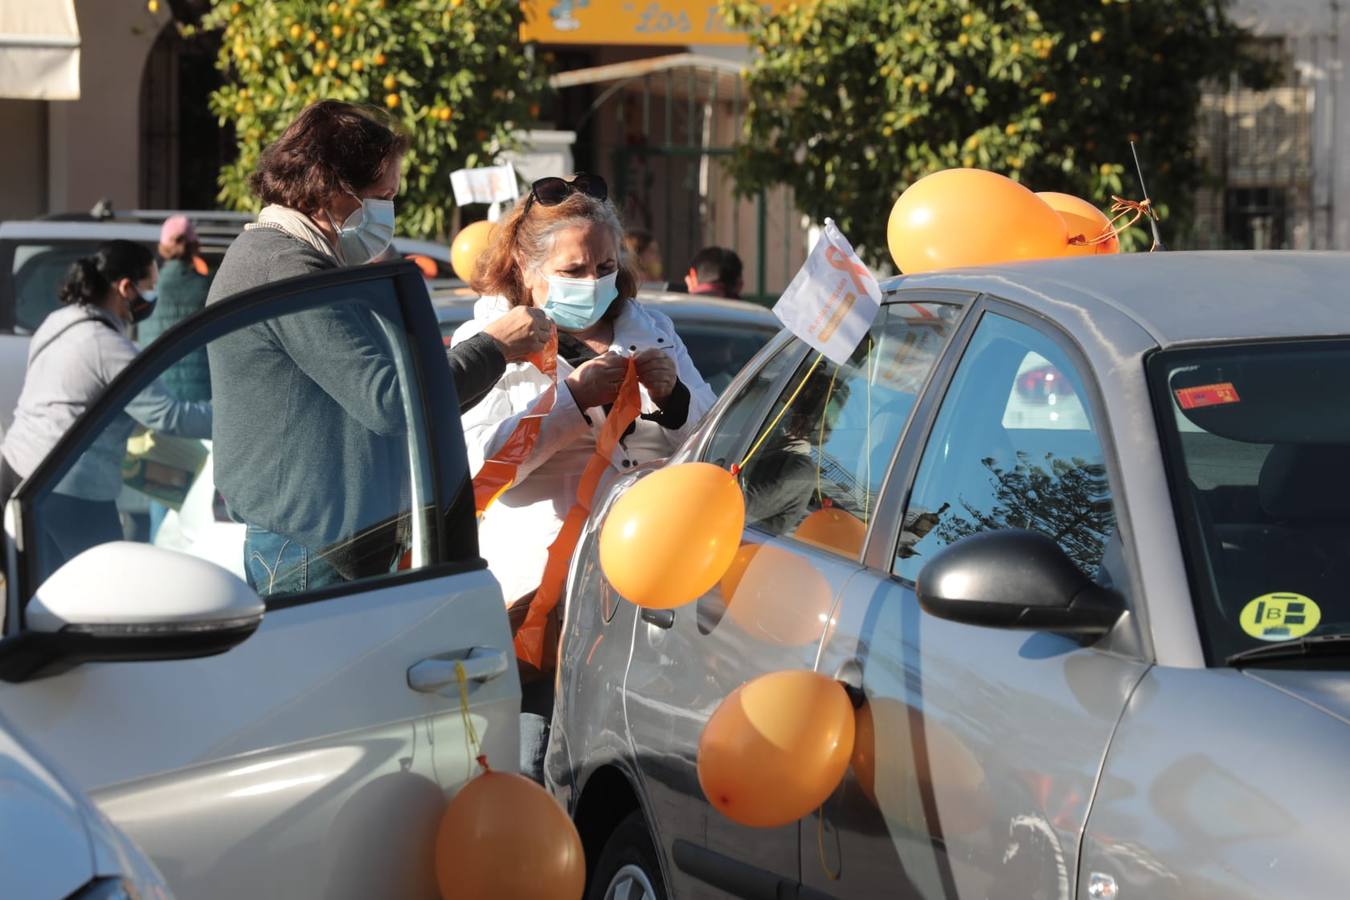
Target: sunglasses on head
<point>552,191</point>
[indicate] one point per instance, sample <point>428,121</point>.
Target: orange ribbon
<point>532,633</point>
<point>499,472</point>
<point>1120,207</point>
<point>857,271</point>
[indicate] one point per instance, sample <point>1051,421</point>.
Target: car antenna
<point>1152,216</point>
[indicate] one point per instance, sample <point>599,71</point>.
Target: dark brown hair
<point>331,148</point>
<point>91,277</point>
<point>521,241</point>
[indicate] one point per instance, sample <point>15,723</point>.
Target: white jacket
<point>515,532</point>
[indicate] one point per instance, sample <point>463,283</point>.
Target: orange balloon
<point>504,837</point>
<point>1081,217</point>
<point>425,263</point>
<point>672,535</point>
<point>777,596</point>
<point>833,529</point>
<point>776,748</point>
<point>468,246</point>
<point>947,771</point>
<point>970,217</point>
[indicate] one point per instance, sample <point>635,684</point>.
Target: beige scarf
<point>297,225</point>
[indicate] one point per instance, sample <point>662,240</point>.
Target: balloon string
<point>871,378</point>
<point>471,742</point>
<point>820,443</point>
<point>832,874</point>
<point>1135,209</point>
<point>735,470</point>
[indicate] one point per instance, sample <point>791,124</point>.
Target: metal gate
<point>663,130</point>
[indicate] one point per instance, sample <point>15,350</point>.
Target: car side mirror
<point>124,602</point>
<point>1012,578</point>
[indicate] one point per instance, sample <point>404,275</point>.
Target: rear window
<point>720,351</point>
<point>37,268</point>
<point>1258,446</point>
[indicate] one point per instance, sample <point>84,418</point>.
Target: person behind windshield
<point>559,251</point>
<point>73,356</point>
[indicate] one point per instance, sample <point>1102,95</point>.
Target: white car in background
<point>54,843</point>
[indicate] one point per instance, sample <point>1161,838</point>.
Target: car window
<point>311,470</point>
<point>720,351</point>
<point>1013,446</point>
<point>828,440</point>
<point>1256,440</point>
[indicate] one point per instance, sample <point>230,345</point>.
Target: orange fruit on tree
<point>392,101</point>
<point>444,114</point>
<point>337,31</point>
<point>357,65</point>
<point>390,82</point>
<point>380,59</point>
<point>318,69</point>
<point>332,62</point>
<point>296,32</point>
<point>320,46</point>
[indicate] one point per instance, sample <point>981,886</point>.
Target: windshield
<point>718,351</point>
<point>1257,440</point>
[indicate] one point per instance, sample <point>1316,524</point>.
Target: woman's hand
<point>522,331</point>
<point>656,371</point>
<point>597,381</point>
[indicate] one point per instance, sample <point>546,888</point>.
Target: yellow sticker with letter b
<point>1279,617</point>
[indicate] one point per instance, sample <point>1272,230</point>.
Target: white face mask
<point>367,233</point>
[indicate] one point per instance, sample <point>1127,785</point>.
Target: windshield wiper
<point>1304,647</point>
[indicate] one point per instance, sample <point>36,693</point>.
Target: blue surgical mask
<point>144,305</point>
<point>368,232</point>
<point>575,304</point>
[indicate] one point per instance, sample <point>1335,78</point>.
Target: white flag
<point>833,300</point>
<point>493,184</point>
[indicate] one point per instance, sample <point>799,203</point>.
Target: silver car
<point>1075,536</point>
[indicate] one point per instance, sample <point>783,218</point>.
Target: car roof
<point>1177,297</point>
<point>91,230</point>
<point>145,232</point>
<point>456,303</point>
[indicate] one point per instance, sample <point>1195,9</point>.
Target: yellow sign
<point>677,22</point>
<point>1280,617</point>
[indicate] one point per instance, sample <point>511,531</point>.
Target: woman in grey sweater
<point>75,353</point>
<point>311,450</point>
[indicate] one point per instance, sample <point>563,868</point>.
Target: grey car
<point>1075,535</point>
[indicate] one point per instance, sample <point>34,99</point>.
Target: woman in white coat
<point>560,251</point>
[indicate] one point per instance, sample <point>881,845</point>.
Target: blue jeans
<point>276,564</point>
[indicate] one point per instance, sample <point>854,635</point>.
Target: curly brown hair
<point>523,241</point>
<point>331,148</point>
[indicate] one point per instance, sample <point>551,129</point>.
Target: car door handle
<point>481,664</point>
<point>661,618</point>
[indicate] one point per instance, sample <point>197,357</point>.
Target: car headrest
<point>1306,481</point>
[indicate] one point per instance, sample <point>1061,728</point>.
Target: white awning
<point>39,50</point>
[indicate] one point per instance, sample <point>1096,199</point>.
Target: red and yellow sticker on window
<point>1207,395</point>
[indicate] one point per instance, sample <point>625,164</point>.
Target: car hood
<point>46,847</point>
<point>1325,690</point>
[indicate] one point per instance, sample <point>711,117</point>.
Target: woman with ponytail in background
<point>73,356</point>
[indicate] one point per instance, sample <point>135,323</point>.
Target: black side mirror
<point>1013,578</point>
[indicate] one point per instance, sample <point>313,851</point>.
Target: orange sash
<point>530,638</point>
<point>499,472</point>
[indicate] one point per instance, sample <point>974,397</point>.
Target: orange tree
<point>453,73</point>
<point>852,101</point>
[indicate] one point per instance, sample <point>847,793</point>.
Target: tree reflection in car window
<point>1013,447</point>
